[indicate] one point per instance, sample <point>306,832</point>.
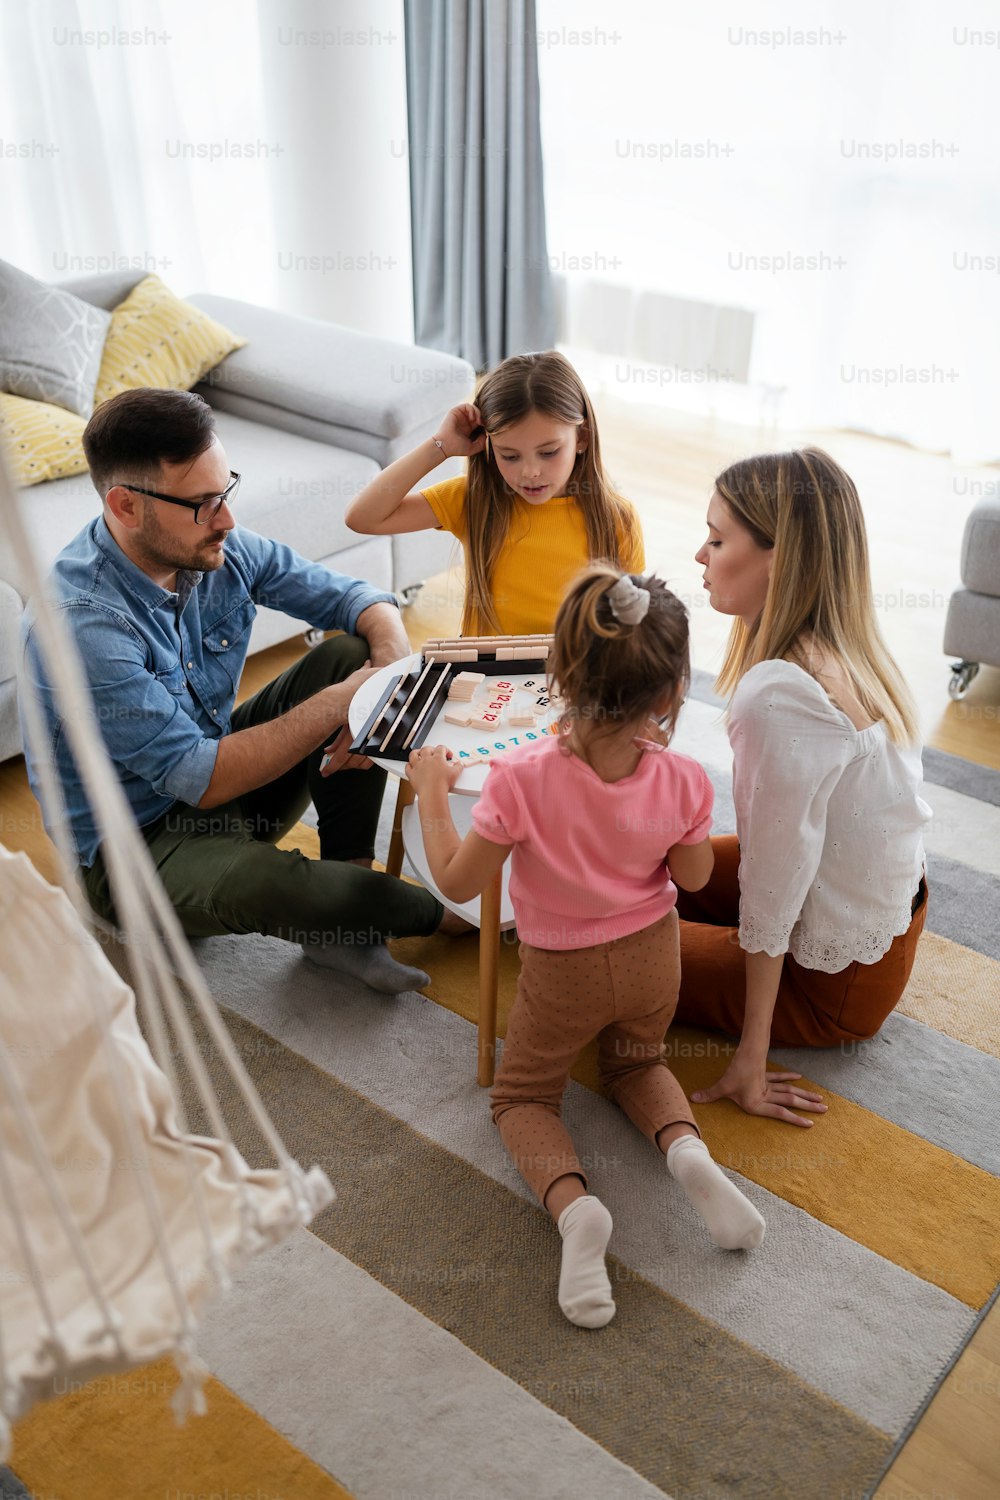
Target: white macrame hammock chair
<point>118,1225</point>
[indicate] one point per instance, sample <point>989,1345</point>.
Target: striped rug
<point>409,1346</point>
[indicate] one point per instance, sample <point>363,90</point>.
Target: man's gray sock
<point>371,962</point>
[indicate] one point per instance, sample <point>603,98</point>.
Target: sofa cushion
<point>157,340</point>
<point>334,374</point>
<point>50,342</point>
<point>41,441</point>
<point>293,490</point>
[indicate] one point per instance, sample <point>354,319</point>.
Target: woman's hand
<point>757,1092</point>
<point>462,432</point>
<point>431,768</point>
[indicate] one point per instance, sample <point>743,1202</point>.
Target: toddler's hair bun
<point>628,602</point>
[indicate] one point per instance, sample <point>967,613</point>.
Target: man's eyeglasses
<point>205,510</point>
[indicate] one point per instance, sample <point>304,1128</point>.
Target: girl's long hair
<point>523,384</point>
<point>807,508</point>
<point>612,675</point>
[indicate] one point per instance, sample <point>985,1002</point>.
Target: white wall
<point>219,143</point>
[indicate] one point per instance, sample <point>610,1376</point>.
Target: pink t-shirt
<point>589,858</point>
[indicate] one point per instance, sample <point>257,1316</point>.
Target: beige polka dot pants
<point>624,993</point>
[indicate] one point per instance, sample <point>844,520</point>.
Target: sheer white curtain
<point>699,151</point>
<point>248,147</point>
<point>132,134</point>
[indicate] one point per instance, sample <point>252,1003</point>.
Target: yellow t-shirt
<point>545,548</point>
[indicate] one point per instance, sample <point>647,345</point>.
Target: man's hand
<point>431,768</point>
<point>381,626</point>
<point>757,1092</point>
<point>336,756</point>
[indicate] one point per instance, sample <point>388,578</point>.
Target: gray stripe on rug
<point>964,776</point>
<point>11,1487</point>
<point>957,1103</point>
<point>403,1406</point>
<point>877,1333</point>
<point>964,905</point>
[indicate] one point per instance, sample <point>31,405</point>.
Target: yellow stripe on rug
<point>918,1205</point>
<point>957,991</point>
<point>117,1436</point>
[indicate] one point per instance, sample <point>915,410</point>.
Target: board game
<point>481,696</point>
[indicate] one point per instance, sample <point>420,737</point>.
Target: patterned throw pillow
<point>158,340</point>
<point>41,441</point>
<point>50,342</point>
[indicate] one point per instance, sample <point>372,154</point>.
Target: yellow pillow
<point>157,340</point>
<point>41,441</point>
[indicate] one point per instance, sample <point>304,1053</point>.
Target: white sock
<point>584,1288</point>
<point>732,1220</point>
<point>371,962</point>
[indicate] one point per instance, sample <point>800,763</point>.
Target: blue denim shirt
<point>162,667</point>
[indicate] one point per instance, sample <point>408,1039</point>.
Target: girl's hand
<point>462,432</point>
<point>430,767</point>
<point>757,1092</point>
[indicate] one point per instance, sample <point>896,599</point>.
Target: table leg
<point>489,951</point>
<point>404,797</point>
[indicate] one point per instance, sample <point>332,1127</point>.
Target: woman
<point>806,933</point>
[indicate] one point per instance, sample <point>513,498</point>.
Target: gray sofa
<point>308,412</point>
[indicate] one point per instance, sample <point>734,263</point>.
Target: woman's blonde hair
<point>611,674</point>
<point>805,507</point>
<point>523,384</point>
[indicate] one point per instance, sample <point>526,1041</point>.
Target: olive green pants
<point>222,872</point>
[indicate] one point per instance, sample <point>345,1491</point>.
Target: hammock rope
<point>236,1211</point>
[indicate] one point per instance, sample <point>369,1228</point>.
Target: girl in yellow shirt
<point>534,507</point>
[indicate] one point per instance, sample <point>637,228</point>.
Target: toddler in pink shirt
<point>602,824</point>
<point>589,864</point>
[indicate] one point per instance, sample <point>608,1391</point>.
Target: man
<point>160,592</point>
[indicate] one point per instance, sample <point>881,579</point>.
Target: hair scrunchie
<point>629,603</point>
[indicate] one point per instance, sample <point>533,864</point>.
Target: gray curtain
<point>481,282</point>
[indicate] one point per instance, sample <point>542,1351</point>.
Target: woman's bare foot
<point>454,926</point>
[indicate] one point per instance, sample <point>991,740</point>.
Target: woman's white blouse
<point>829,821</point>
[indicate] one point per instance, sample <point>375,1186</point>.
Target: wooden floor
<point>665,463</point>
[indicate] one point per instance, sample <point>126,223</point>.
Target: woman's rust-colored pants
<point>623,993</point>
<point>813,1009</point>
